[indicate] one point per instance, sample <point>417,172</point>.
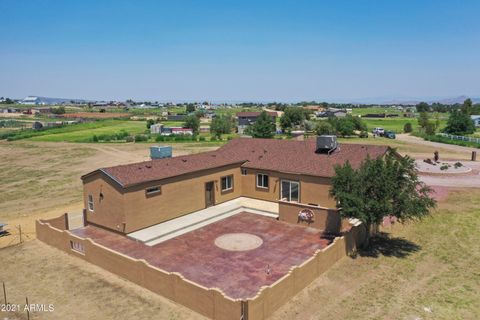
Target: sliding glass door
<point>290,190</point>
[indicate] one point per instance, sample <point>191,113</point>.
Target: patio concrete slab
<point>173,228</point>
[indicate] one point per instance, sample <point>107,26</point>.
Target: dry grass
<point>431,265</point>
<point>77,289</point>
<point>435,263</point>
<point>42,179</point>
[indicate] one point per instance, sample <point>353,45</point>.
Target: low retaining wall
<point>272,297</point>
<point>326,219</point>
<point>210,302</point>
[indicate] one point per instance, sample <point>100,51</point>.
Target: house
<point>131,197</point>
<point>156,128</point>
<point>332,112</point>
<point>31,100</point>
<point>476,120</point>
<point>247,118</point>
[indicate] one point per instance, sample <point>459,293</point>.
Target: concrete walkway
<point>173,228</point>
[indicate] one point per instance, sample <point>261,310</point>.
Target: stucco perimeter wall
<point>211,303</point>
<point>325,219</point>
<point>272,297</point>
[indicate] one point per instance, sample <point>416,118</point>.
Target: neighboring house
<point>476,120</point>
<point>156,128</point>
<point>131,197</point>
<point>247,118</point>
<point>31,100</point>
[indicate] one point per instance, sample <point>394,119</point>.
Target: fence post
<point>4,294</point>
<point>28,308</point>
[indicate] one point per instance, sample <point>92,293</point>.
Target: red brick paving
<point>238,274</point>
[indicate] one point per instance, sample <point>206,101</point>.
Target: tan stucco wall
<point>180,195</point>
<point>108,212</point>
<point>209,302</point>
<point>313,190</point>
<point>328,220</point>
<point>131,209</point>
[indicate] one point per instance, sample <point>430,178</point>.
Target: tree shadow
<point>384,245</point>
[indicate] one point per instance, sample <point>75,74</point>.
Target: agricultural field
<point>364,111</point>
<point>83,132</point>
<point>395,124</point>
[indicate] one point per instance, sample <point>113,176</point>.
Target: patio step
<point>189,222</point>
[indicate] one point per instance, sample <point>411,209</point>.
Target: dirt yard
<point>424,270</point>
<point>42,179</point>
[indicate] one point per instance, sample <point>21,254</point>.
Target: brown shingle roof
<point>289,156</point>
<point>298,157</point>
<point>136,173</point>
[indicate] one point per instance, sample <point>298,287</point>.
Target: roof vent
<point>326,144</point>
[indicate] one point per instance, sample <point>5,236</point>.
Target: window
<point>290,190</point>
<point>77,246</point>
<point>90,202</point>
<point>153,190</point>
<point>227,183</point>
<point>244,172</point>
<point>262,180</point>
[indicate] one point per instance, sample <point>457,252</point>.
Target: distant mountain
<point>414,100</point>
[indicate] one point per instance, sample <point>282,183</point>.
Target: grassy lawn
<point>395,124</point>
<point>424,270</point>
<point>364,111</point>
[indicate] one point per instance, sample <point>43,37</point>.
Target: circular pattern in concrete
<point>238,241</point>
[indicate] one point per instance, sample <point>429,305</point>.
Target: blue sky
<point>240,50</point>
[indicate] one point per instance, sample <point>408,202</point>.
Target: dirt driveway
<point>416,140</point>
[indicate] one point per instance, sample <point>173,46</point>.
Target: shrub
<point>407,127</point>
<point>129,139</point>
<point>95,138</point>
<point>159,138</point>
<point>140,138</point>
<point>444,167</point>
<point>457,165</point>
<point>363,134</point>
<point>201,138</point>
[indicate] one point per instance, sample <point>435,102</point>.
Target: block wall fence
<point>210,302</point>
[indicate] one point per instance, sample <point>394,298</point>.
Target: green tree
<point>221,125</point>
<point>430,128</point>
<point>459,123</point>
<point>150,122</point>
<point>407,127</point>
<point>423,119</point>
<point>467,106</point>
<point>292,117</point>
<point>324,127</point>
<point>190,108</point>
<point>423,107</point>
<point>192,122</point>
<point>59,110</point>
<point>264,127</point>
<point>385,186</point>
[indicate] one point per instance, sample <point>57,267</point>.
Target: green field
<point>364,111</point>
<point>82,132</point>
<point>394,124</point>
